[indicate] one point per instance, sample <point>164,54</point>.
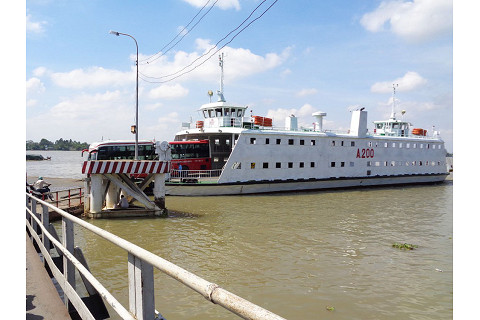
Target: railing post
<point>140,288</point>
<point>68,243</point>
<point>33,223</point>
<point>45,222</point>
<point>28,207</point>
<point>80,192</point>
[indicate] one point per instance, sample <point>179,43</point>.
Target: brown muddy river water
<point>311,255</point>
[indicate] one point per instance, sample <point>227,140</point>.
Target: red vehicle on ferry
<point>191,155</point>
<point>186,155</point>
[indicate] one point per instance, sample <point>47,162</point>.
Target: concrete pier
<point>43,301</point>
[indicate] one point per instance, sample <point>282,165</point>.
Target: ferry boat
<point>244,154</point>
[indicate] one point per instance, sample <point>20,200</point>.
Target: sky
<point>288,57</point>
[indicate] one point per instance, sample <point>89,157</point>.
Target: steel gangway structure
<point>140,263</point>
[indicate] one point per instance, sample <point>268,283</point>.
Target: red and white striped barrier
<point>125,166</point>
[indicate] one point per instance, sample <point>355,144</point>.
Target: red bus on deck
<point>191,155</point>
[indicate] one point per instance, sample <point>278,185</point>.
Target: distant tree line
<point>67,145</point>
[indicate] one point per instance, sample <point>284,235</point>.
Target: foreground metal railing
<point>140,270</point>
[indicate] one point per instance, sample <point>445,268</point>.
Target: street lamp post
<point>136,105</point>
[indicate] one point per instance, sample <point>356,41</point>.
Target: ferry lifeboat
<point>419,132</point>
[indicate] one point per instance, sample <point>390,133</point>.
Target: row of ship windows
<point>290,142</point>
<point>407,145</point>
<point>342,143</point>
<point>341,164</point>
<point>404,163</point>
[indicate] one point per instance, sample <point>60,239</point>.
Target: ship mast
<point>392,116</point>
<point>221,98</point>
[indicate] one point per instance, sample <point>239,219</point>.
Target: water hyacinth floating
<point>405,246</point>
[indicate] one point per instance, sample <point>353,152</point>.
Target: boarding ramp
<point>140,263</point>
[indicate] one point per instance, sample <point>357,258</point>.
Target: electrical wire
<point>146,60</point>
<point>210,50</point>
<point>179,73</point>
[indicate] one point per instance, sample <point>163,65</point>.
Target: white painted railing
<point>140,270</point>
<point>194,175</point>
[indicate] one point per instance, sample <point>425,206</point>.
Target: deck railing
<point>194,175</point>
<point>65,197</point>
<point>140,270</point>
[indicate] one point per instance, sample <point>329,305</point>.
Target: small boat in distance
<point>37,157</point>
<point>233,153</point>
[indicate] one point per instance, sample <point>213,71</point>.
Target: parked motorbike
<point>42,193</point>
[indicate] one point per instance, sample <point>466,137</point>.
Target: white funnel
<point>319,116</point>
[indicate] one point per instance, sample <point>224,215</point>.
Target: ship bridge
<point>221,114</point>
<point>392,128</point>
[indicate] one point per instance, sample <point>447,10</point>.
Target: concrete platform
<point>43,301</point>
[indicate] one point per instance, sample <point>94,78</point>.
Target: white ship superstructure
<point>248,155</point>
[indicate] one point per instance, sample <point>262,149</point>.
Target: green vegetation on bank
<point>66,145</point>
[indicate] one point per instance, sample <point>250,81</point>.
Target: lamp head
<point>114,33</point>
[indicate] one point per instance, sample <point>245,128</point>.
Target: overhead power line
<point>161,52</point>
<point>182,71</point>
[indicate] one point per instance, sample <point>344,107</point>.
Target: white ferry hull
<point>175,189</point>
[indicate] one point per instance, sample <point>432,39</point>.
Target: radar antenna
<point>221,98</point>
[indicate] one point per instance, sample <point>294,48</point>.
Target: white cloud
<point>410,81</point>
<point>99,105</point>
<point>171,117</point>
<point>31,102</point>
<point>304,115</point>
<point>168,92</point>
<point>286,72</point>
<point>88,117</point>
<point>34,85</point>
<point>153,106</point>
<point>92,77</point>
<point>39,72</point>
<point>222,4</point>
<point>164,128</point>
<point>238,63</point>
<point>416,20</point>
<point>33,26</point>
<point>307,92</point>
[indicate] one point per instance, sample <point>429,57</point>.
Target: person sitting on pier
<point>123,202</point>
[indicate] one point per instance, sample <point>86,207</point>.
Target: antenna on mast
<point>221,98</point>
<point>392,116</point>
